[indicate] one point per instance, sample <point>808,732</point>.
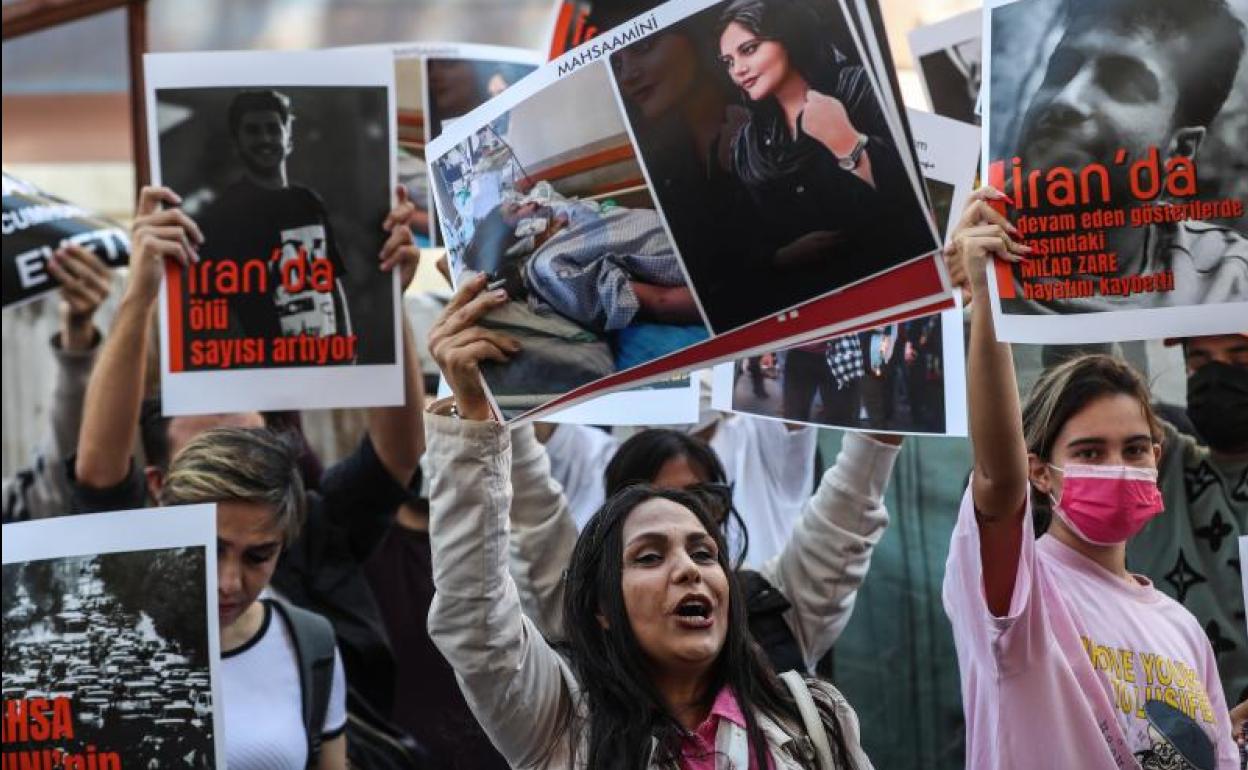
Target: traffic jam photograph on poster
<point>1106,125</point>
<point>285,161</point>
<point>906,377</point>
<point>602,232</point>
<point>111,648</point>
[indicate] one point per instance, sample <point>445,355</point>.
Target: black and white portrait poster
<point>949,58</point>
<point>36,224</point>
<point>907,377</point>
<point>1105,126</point>
<point>628,253</point>
<point>111,642</point>
<point>285,160</point>
<point>434,85</point>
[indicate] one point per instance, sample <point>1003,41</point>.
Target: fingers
<point>473,338</point>
<point>994,238</point>
<point>444,267</point>
<point>151,197</point>
<point>978,212</point>
<point>471,312</point>
<point>172,217</point>
<point>82,275</point>
<point>402,212</point>
<point>146,242</point>
<point>166,241</point>
<point>80,258</point>
<point>399,237</point>
<point>466,292</point>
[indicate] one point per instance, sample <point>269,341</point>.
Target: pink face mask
<point>1107,504</point>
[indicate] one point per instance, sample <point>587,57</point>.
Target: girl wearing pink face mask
<point>1067,659</point>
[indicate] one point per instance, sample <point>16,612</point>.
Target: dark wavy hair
<point>624,710</point>
<point>763,149</point>
<point>639,460</point>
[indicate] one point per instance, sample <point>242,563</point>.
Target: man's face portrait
<point>263,140</point>
<point>1105,88</point>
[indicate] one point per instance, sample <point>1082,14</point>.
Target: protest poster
<point>435,84</point>
<point>285,160</point>
<point>907,377</point>
<point>627,258</point>
<point>1099,119</point>
<point>36,224</point>
<point>111,648</point>
<point>949,58</point>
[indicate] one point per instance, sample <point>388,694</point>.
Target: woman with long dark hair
<point>816,154</point>
<point>660,670</point>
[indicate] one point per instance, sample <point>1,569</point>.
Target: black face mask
<point>1217,402</point>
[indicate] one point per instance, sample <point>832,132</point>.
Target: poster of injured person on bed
<point>906,377</point>
<point>1116,129</point>
<point>636,238</point>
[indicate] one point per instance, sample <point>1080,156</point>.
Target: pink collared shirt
<point>697,752</point>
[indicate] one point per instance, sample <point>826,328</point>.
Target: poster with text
<point>284,159</point>
<point>111,648</point>
<point>949,58</point>
<point>627,254</point>
<point>906,377</point>
<point>1100,119</point>
<point>36,224</point>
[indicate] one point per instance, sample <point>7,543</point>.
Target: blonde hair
<point>253,465</point>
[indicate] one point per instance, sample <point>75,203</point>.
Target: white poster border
<point>145,529</point>
<point>205,392</point>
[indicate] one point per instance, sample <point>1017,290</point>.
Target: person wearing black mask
<point>1191,551</point>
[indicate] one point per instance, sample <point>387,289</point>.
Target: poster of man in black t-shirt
<point>263,215</point>
<point>289,185</point>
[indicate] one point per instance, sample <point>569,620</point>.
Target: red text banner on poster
<point>29,723</point>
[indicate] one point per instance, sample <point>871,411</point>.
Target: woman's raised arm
<point>999,481</point>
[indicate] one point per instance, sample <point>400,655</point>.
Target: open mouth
<point>694,612</point>
<point>748,84</point>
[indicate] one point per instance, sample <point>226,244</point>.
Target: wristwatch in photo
<point>850,162</point>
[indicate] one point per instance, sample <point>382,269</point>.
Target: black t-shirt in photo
<point>248,222</point>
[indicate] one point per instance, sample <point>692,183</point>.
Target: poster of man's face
<point>279,168</point>
<point>1100,117</point>
<point>285,160</point>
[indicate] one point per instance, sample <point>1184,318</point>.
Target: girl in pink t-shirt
<point>1067,659</point>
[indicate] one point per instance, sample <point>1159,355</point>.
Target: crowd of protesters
<point>551,597</point>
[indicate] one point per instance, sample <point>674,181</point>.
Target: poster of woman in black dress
<point>794,170</point>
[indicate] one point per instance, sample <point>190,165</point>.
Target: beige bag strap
<point>810,718</point>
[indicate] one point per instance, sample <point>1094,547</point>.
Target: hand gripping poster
<point>1115,127</point>
<point>111,648</point>
<point>285,161</point>
<point>636,237</point>
<point>906,377</point>
<point>36,224</point>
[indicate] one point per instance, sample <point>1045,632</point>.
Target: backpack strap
<point>314,647</point>
<point>815,730</point>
